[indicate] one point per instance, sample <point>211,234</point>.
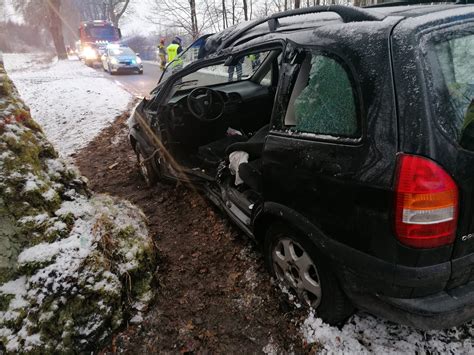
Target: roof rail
<point>419,2</point>
<point>347,13</point>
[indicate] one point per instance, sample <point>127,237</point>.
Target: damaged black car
<point>342,140</point>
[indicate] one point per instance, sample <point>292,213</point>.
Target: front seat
<point>251,172</point>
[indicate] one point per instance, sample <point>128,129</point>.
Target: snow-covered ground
<point>364,333</point>
<point>71,101</point>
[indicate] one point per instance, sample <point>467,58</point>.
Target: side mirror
<point>137,54</point>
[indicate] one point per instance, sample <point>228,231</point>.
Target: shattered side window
<point>324,100</point>
<point>455,57</point>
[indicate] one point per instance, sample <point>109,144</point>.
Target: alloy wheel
<point>294,267</point>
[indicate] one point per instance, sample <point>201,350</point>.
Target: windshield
<point>243,69</point>
<point>189,55</point>
<point>121,51</point>
<point>103,33</point>
<point>455,57</point>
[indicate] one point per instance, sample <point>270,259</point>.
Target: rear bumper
<point>442,310</point>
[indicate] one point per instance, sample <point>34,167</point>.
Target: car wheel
<point>146,168</point>
<point>140,72</point>
<point>295,262</point>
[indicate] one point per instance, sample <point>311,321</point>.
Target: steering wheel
<point>205,104</point>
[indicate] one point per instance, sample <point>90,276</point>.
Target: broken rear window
<point>455,57</point>
<point>323,100</point>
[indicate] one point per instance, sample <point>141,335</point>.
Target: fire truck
<point>94,36</point>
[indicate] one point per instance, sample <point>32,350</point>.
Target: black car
<point>342,140</point>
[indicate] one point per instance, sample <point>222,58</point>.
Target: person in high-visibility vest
<point>173,51</point>
<point>162,54</point>
<point>255,60</point>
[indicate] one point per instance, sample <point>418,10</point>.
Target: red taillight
<point>426,203</point>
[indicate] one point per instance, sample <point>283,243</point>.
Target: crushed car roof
<point>319,16</point>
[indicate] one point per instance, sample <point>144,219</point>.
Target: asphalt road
<point>136,84</point>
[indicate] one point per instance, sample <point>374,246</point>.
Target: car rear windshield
<point>455,84</point>
<point>121,51</point>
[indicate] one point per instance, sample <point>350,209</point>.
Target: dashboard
<point>234,94</point>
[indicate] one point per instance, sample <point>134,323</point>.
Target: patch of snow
<point>78,208</point>
<point>38,219</point>
<point>49,195</point>
<point>271,348</point>
<point>17,288</point>
<point>71,101</point>
<point>32,184</point>
<point>364,333</point>
<point>137,318</point>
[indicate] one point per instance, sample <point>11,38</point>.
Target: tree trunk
<point>55,28</point>
<point>297,4</point>
<point>233,12</point>
<point>246,15</point>
<point>224,15</point>
<point>194,23</point>
<point>114,13</point>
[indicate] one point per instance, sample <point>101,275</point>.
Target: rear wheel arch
<point>274,218</point>
<point>272,212</point>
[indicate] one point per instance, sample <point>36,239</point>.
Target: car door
<point>316,149</point>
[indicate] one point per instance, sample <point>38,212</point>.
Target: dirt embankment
<point>213,293</point>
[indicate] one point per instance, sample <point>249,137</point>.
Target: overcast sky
<point>135,22</point>
<point>9,13</point>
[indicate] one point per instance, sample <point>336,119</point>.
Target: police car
<point>119,58</point>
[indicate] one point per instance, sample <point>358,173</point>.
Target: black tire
<point>145,167</point>
<point>334,306</point>
<point>140,72</point>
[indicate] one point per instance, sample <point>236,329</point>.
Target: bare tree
<point>181,14</point>
<point>213,13</point>
<point>46,14</point>
<point>246,14</point>
<point>115,10</point>
<point>297,4</point>
<point>3,13</point>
